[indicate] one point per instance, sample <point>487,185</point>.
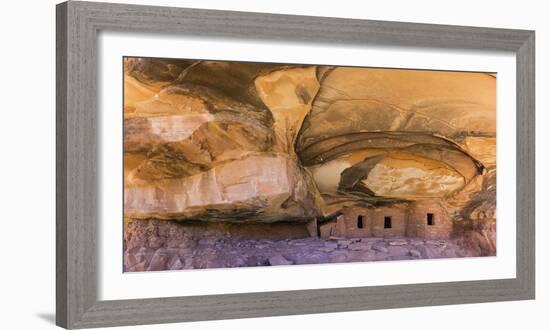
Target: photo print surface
<point>242,164</point>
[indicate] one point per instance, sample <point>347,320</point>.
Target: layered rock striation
<point>399,134</point>
<point>213,141</point>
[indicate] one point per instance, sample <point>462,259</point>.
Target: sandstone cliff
<point>251,142</point>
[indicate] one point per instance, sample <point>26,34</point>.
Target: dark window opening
<point>430,218</point>
<point>360,222</point>
<point>387,222</point>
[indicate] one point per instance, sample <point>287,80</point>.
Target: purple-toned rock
<point>379,248</point>
<point>415,253</point>
<point>279,260</point>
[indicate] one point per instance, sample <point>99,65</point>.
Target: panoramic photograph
<point>244,164</point>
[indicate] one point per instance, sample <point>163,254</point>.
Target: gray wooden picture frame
<point>78,24</point>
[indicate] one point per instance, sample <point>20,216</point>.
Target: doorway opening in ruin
<point>430,217</point>
<point>360,222</point>
<point>387,222</point>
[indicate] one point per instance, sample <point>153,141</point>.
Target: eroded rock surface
<point>256,143</point>
<point>259,187</point>
<point>166,245</point>
<point>346,135</point>
<point>214,141</point>
<point>399,134</point>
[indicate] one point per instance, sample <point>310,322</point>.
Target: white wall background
<point>27,163</point>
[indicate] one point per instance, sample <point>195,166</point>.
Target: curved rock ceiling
<point>400,134</point>
<point>269,142</point>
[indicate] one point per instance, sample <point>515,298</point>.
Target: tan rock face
<point>288,94</point>
<point>482,148</point>
<point>401,134</point>
<point>162,103</point>
<point>444,103</point>
<point>229,141</point>
<point>411,177</point>
<point>190,145</point>
<point>257,186</point>
<point>200,150</point>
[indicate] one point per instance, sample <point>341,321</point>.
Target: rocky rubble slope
<point>157,245</point>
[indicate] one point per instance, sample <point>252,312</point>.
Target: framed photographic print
<point>216,165</point>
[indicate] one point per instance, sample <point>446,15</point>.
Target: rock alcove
<point>254,154</point>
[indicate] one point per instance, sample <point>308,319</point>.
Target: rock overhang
<point>345,130</point>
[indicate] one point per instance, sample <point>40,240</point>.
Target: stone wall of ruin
<point>346,225</point>
<point>398,222</point>
<point>406,220</point>
<point>418,222</point>
<point>350,218</point>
